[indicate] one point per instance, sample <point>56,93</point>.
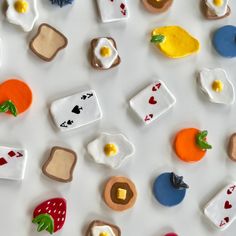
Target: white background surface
<point>71,71</point>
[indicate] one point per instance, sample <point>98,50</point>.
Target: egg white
<point>96,230</point>
<point>106,61</point>
<point>25,20</point>
<point>206,79</point>
<point>219,11</point>
<point>125,149</point>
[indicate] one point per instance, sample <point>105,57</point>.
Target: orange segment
<point>18,92</point>
<point>186,147</point>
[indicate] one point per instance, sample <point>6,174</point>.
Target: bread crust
<point>164,5</point>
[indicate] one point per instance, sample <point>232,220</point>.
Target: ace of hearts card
<point>113,10</point>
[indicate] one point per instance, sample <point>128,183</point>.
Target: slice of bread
<point>95,62</point>
<point>95,223</point>
<point>60,164</point>
<point>48,42</point>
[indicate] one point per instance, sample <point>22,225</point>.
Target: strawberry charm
<point>50,215</point>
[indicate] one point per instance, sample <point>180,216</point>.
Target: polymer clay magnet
<point>174,41</point>
<point>224,41</point>
<point>191,145</point>
<point>104,53</point>
<point>232,147</point>
<point>76,110</point>
<point>48,42</point>
<point>61,3</point>
<point>169,189</point>
<point>12,163</point>
<point>157,6</point>
<point>111,149</point>
<point>101,228</point>
<point>152,102</point>
<point>23,13</point>
<point>221,209</point>
<point>120,193</point>
<point>111,10</point>
<point>60,165</point>
<point>50,215</point>
<point>15,97</point>
<point>215,9</point>
<point>217,86</point>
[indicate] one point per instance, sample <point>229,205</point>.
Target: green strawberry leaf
<point>45,222</point>
<point>159,38</point>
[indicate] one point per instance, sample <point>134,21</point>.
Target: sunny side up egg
<point>217,86</point>
<point>105,52</point>
<point>218,7</point>
<point>104,230</point>
<point>111,149</point>
<point>23,13</point>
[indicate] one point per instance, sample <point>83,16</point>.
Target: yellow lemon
<point>217,86</point>
<point>174,41</point>
<point>21,6</point>
<point>110,149</point>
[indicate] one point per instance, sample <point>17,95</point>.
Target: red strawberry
<point>50,215</point>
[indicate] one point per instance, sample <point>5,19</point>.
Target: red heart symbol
<point>226,219</point>
<point>156,87</point>
<point>152,101</point>
<point>227,205</point>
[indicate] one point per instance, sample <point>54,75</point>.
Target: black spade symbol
<point>76,110</point>
<point>70,122</point>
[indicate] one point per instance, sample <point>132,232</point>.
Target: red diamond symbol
<point>11,154</point>
<point>2,161</point>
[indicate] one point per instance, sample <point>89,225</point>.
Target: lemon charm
<point>174,41</point>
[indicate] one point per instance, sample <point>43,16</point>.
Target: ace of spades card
<point>221,210</point>
<point>12,163</point>
<point>113,10</point>
<point>76,110</point>
<point>152,102</point>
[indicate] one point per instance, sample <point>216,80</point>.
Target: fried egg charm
<point>23,13</point>
<point>218,7</point>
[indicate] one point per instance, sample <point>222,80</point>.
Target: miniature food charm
<point>111,149</point>
<point>50,215</point>
<point>232,147</point>
<point>215,9</point>
<point>221,209</point>
<point>152,102</point>
<point>157,6</point>
<point>12,163</point>
<point>104,53</point>
<point>224,41</point>
<point>191,144</point>
<point>47,42</point>
<point>217,86</point>
<point>15,97</point>
<point>61,3</point>
<point>174,41</point>
<point>120,193</point>
<point>169,189</point>
<point>60,165</point>
<point>111,10</point>
<point>75,111</point>
<point>23,13</point>
<point>100,228</point>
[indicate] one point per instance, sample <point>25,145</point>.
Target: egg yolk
<point>21,6</point>
<point>110,149</point>
<point>218,3</point>
<point>104,234</point>
<point>217,86</point>
<point>105,52</point>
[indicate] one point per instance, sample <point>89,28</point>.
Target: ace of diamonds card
<point>152,102</point>
<point>113,10</point>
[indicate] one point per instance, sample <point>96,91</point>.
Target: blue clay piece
<point>165,193</point>
<point>62,3</point>
<point>224,41</point>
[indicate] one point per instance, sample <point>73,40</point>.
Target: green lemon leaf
<point>159,38</point>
